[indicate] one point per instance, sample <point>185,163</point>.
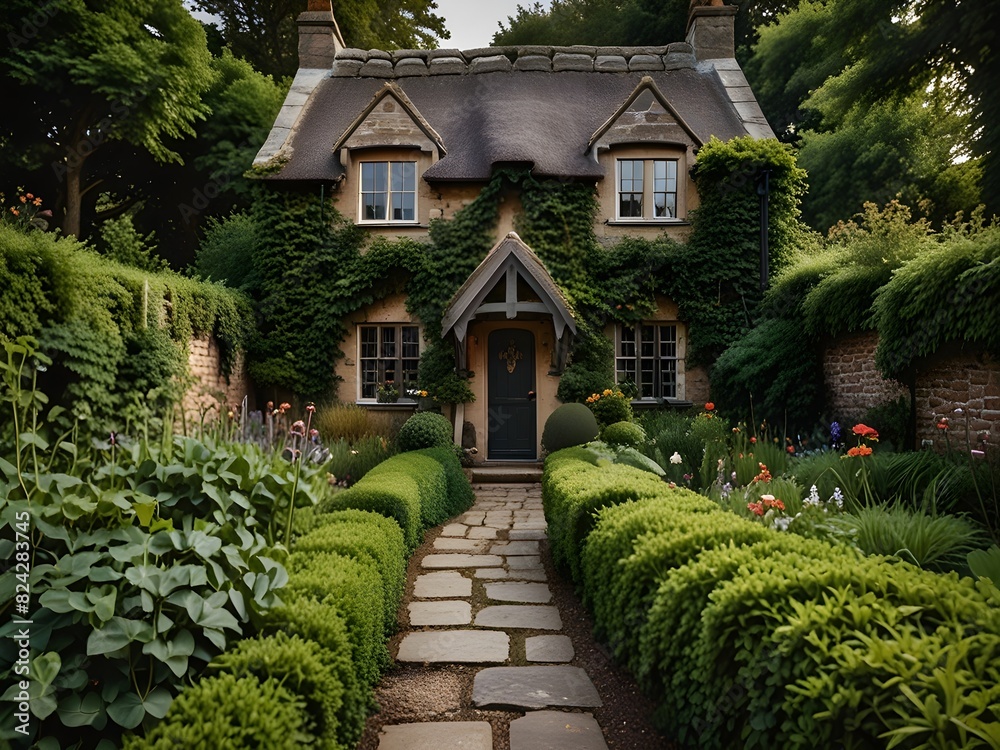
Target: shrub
<point>624,434</point>
<point>425,429</point>
<point>230,712</point>
<point>321,622</point>
<point>610,405</point>
<point>352,423</point>
<point>348,462</point>
<point>353,587</point>
<point>459,492</point>
<point>364,535</point>
<point>302,668</point>
<point>570,424</point>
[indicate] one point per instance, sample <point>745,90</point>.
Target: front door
<point>511,387</point>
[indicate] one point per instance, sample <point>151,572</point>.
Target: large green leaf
<point>127,710</point>
<point>77,710</point>
<point>117,634</point>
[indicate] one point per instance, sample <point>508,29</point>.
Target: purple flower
<point>835,432</point>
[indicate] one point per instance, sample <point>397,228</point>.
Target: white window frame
<point>651,185</point>
<point>651,357</point>
<point>393,354</point>
<point>393,191</point>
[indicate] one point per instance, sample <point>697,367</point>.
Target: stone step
<point>434,735</point>
<point>454,647</point>
<point>534,687</point>
<point>556,730</point>
<point>501,473</point>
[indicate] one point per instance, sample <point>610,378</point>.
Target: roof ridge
<point>354,62</point>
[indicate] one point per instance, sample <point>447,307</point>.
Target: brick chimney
<point>710,29</point>
<point>319,35</point>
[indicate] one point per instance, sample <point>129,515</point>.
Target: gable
<point>390,119</point>
<point>511,282</point>
<point>646,116</point>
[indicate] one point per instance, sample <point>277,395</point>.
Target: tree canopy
<point>264,32</point>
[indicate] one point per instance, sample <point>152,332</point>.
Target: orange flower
<point>753,441</point>
<point>866,432</point>
<point>859,450</point>
<point>709,406</point>
<point>791,449</point>
<point>756,508</point>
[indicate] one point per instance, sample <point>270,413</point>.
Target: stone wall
<point>958,381</point>
<point>961,386</point>
<point>853,382</point>
<point>212,390</point>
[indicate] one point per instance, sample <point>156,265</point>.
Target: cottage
<point>401,138</point>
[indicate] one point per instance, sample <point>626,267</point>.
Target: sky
<point>472,23</point>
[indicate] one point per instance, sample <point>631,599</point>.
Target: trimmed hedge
<point>301,667</point>
<point>418,490</point>
<point>749,637</point>
<point>228,713</point>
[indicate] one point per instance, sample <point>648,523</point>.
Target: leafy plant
<point>425,430</point>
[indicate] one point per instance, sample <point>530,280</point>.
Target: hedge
<point>417,489</point>
<point>750,637</point>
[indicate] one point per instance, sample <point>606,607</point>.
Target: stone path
<point>482,598</point>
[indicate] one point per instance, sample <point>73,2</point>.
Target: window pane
<point>381,176</point>
<point>404,176</point>
<point>388,342</point>
<point>367,177</point>
<point>403,206</point>
<point>374,206</point>
<point>631,205</point>
<point>665,205</point>
<point>411,342</point>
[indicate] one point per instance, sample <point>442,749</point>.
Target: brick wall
<point>853,383</point>
<point>211,390</point>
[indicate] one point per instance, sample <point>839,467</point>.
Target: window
<point>646,356</point>
<point>647,189</point>
<point>389,191</point>
<point>388,355</point>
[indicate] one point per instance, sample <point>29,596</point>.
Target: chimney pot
<point>710,29</point>
<point>319,36</point>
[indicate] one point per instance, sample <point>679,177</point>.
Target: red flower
<point>791,449</point>
<point>866,432</point>
<point>753,440</point>
<point>709,406</point>
<point>756,508</point>
<point>859,450</point>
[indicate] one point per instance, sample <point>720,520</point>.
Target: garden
<point>773,590</point>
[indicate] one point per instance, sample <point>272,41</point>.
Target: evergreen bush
<point>425,429</point>
<point>624,435</point>
<point>570,424</point>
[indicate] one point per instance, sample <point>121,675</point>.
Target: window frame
<point>672,354</point>
<point>649,183</point>
<point>389,194</point>
<point>402,364</point>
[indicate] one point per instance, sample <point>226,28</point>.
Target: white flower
<point>813,498</point>
<point>676,458</point>
<point>781,523</point>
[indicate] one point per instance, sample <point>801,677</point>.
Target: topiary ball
<point>569,425</point>
<point>425,429</point>
<point>624,435</point>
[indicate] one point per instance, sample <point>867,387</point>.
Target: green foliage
<point>437,375</point>
<point>575,484</point>
<point>568,425</point>
<point>928,540</point>
<point>940,296</point>
<point>425,429</point>
<point>349,461</point>
<point>227,250</point>
<point>352,586</point>
<point>609,406</point>
<point>352,423</point>
<point>319,620</point>
<point>245,712</point>
<point>985,563</point>
<point>122,243</point>
<point>592,367</point>
<point>368,537</point>
<point>623,434</point>
<point>300,667</point>
<point>459,492</point>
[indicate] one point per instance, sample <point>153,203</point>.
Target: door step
<point>504,473</point>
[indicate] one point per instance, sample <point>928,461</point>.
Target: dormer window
<point>388,191</point>
<point>647,189</point>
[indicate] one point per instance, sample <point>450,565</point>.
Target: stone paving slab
<point>434,735</point>
<point>534,593</point>
<point>446,584</point>
<point>461,561</point>
<point>456,544</point>
<point>519,616</point>
<point>524,561</point>
<point>527,534</point>
<point>552,649</point>
<point>491,573</point>
<point>455,646</point>
<point>482,532</point>
<point>450,612</point>
<point>534,687</point>
<point>556,730</point>
<point>454,529</point>
<point>515,548</point>
<point>530,574</point>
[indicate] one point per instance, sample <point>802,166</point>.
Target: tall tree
<point>264,33</point>
<point>83,74</point>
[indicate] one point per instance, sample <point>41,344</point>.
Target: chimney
<point>710,29</point>
<point>319,36</point>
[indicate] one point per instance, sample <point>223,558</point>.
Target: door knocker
<point>512,356</point>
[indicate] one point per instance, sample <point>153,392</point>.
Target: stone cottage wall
<point>853,382</point>
<point>212,391</point>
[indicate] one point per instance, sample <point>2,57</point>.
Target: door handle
<point>531,395</point>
